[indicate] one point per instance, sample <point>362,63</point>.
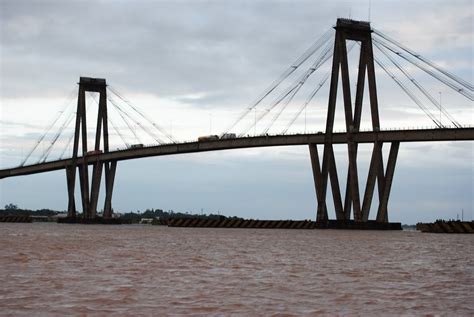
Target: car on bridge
<point>136,146</point>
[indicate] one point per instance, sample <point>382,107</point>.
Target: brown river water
<point>143,270</point>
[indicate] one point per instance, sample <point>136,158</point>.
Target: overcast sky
<point>193,67</point>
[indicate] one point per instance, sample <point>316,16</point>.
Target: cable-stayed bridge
<point>128,123</point>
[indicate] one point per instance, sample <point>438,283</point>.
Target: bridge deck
<point>455,134</point>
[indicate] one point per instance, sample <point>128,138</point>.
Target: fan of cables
<point>129,123</point>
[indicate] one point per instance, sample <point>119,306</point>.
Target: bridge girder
<point>361,137</point>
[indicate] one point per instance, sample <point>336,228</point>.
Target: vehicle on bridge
<point>136,146</point>
<point>95,152</point>
<point>208,138</point>
<point>226,136</point>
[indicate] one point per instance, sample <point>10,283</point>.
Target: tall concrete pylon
<point>361,32</point>
<point>90,194</point>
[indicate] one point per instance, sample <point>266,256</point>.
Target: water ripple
<point>52,269</point>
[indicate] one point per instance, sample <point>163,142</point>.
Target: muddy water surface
<point>59,269</point>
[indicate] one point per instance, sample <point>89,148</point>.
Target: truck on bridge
<point>208,138</point>
<point>214,137</point>
<point>95,152</point>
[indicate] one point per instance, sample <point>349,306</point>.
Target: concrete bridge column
<point>71,182</point>
<point>90,194</point>
<point>322,212</point>
<point>382,214</point>
<point>109,186</point>
<point>360,32</point>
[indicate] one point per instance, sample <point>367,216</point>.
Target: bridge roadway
<point>420,135</point>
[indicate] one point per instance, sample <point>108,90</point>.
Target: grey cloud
<point>165,48</point>
<point>8,123</point>
<point>157,47</point>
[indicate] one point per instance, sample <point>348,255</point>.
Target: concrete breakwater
<point>441,226</point>
<point>11,218</point>
<point>280,224</point>
<point>222,223</point>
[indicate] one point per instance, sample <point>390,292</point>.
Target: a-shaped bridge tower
<point>361,32</point>
<point>90,198</point>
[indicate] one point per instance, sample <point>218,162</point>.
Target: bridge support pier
<point>71,181</point>
<point>91,203</point>
<point>110,169</point>
<point>322,212</point>
<point>382,214</point>
<point>376,173</point>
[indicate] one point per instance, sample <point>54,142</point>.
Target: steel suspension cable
<point>324,56</point>
<point>73,133</point>
<point>124,116</point>
<point>144,128</point>
<point>307,101</point>
<point>323,59</point>
<point>67,146</point>
<point>56,137</point>
<point>109,119</point>
<point>453,86</point>
<point>277,115</point>
<point>118,132</point>
<point>50,126</point>
<point>320,42</point>
<point>418,85</point>
<point>159,128</point>
<point>312,94</point>
<point>457,79</point>
<point>409,93</point>
<point>300,84</point>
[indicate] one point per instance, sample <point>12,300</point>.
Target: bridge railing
<point>409,128</point>
<point>412,128</point>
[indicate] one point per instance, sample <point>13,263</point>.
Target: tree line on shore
<point>134,217</point>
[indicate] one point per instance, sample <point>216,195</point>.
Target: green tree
<point>11,207</point>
